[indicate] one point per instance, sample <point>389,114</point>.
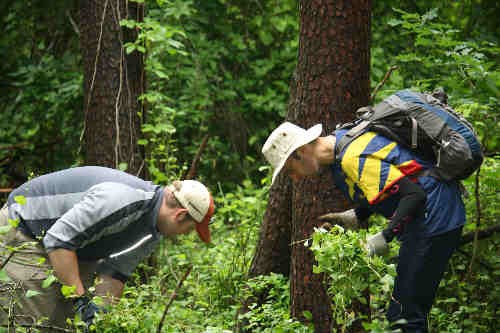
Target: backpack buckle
<point>364,112</point>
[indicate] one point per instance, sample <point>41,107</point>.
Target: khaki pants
<point>23,301</point>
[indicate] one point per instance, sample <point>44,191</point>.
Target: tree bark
<point>113,81</point>
<point>331,82</point>
<point>273,249</point>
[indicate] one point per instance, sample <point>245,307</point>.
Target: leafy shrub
<point>350,273</point>
<point>273,314</point>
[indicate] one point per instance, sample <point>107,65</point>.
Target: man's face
<point>184,223</point>
<point>301,164</point>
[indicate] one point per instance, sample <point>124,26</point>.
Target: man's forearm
<point>65,264</point>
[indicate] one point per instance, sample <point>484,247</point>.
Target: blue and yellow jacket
<point>368,167</point>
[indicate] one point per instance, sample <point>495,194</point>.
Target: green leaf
<point>265,37</point>
<point>129,48</point>
<point>122,166</point>
<point>394,22</point>
<point>20,199</point>
<point>49,281</point>
<point>32,293</point>
<point>3,276</point>
<point>430,15</point>
<point>5,229</point>
<point>41,260</point>
<point>68,291</point>
<point>308,315</point>
<point>14,222</point>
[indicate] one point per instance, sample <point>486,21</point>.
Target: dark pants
<point>421,265</point>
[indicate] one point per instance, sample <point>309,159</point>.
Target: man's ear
<point>306,149</point>
<point>300,152</point>
<point>181,214</point>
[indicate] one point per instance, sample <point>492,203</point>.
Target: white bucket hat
<point>196,198</point>
<point>284,140</point>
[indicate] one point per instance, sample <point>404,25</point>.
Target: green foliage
<point>41,81</point>
<point>351,273</point>
<point>273,314</point>
<point>436,50</point>
<point>468,295</point>
<point>225,66</point>
<point>484,117</point>
<point>160,34</point>
<point>489,198</point>
<point>433,52</point>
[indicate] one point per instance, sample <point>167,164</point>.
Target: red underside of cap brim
<point>203,232</point>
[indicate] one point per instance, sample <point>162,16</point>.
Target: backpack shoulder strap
<point>348,137</point>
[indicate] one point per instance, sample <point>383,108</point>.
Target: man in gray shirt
<point>88,220</point>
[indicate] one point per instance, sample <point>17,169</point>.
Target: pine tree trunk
<point>331,82</point>
<point>113,81</point>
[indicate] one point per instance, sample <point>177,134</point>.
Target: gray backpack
<point>425,124</point>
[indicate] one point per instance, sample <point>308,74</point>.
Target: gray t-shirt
<point>101,213</point>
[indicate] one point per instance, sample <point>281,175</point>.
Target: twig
<point>375,91</point>
<point>140,168</point>
<point>119,93</point>
<point>478,221</point>
<point>49,327</point>
<point>73,24</point>
<point>480,262</point>
<point>6,190</point>
<point>7,259</point>
<point>299,241</point>
<point>14,146</point>
<point>172,297</point>
<point>194,165</point>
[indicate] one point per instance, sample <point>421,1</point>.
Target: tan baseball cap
<point>196,198</point>
<point>284,140</point>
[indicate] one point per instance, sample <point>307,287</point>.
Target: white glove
<point>376,244</point>
<point>347,218</point>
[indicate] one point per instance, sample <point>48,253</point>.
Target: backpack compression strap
<point>352,134</point>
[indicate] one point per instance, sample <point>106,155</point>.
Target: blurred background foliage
<point>222,68</point>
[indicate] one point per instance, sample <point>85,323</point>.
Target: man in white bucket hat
<point>381,176</point>
<point>86,221</point>
<point>284,141</point>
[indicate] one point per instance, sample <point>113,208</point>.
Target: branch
<point>14,146</point>
<point>386,76</point>
<point>73,24</point>
<point>172,297</point>
<point>478,219</point>
<point>48,327</point>
<point>481,234</point>
<point>480,262</point>
<point>194,165</point>
<point>7,259</point>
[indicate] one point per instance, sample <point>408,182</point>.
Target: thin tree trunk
<point>273,249</point>
<point>113,81</point>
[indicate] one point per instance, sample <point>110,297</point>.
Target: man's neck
<point>324,150</point>
<point>163,214</point>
